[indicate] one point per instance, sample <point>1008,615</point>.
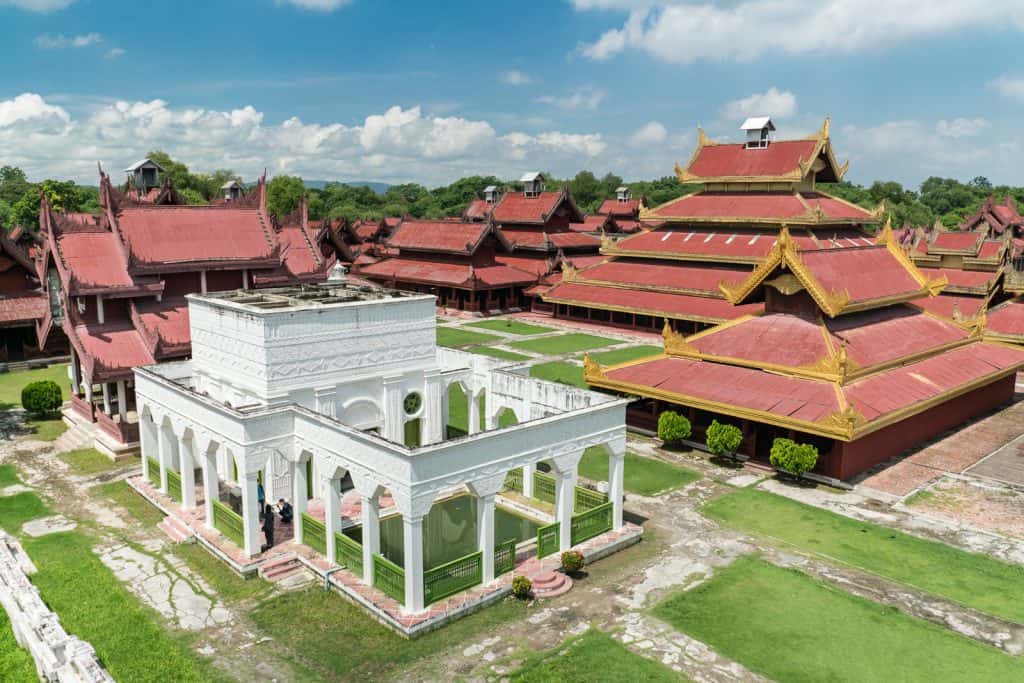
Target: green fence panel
<point>154,472</point>
<point>544,487</point>
<point>587,499</point>
<point>229,523</point>
<point>348,553</point>
<point>514,480</point>
<point>593,522</point>
<point>547,539</point>
<point>453,577</point>
<point>174,485</point>
<point>504,558</point>
<point>314,534</point>
<point>389,578</point>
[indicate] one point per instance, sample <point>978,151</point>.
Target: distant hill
<point>379,188</point>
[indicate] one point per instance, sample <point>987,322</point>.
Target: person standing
<point>268,526</point>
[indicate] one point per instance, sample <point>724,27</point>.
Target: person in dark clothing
<point>284,508</point>
<point>268,526</point>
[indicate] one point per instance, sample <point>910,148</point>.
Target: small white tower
<point>759,130</point>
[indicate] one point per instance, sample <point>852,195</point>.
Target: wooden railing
<point>83,407</point>
<point>453,577</point>
<point>122,432</point>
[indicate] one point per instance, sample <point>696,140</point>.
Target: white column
<point>245,278</point>
<point>147,443</point>
<point>474,413</point>
<point>76,379</point>
<point>211,486</point>
<point>616,470</point>
<point>565,498</point>
<point>485,534</point>
<point>371,535</point>
<point>250,513</point>
<point>88,390</point>
<point>528,471</point>
<point>299,500</point>
<point>163,452</point>
<point>202,281</point>
<point>100,316</point>
<point>122,402</point>
<point>433,413</point>
<point>394,412</point>
<point>106,398</point>
<point>332,513</point>
<point>187,469</point>
<point>412,529</point>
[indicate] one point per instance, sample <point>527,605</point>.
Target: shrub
<point>672,427</point>
<point>521,587</point>
<point>723,439</point>
<point>41,398</point>
<point>793,457</point>
<point>572,561</point>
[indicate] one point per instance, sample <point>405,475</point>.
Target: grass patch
<point>9,475</point>
<point>21,507</point>
<point>564,343</point>
<point>498,353</point>
<point>120,493</point>
<point>511,326</point>
<point>645,476</point>
<point>16,665</point>
<point>456,336</point>
<point>593,656</point>
<point>11,383</point>
<point>919,498</point>
<point>230,587</point>
<point>559,371</point>
<point>617,356</point>
<point>88,461</point>
<point>356,647</point>
<point>968,578</point>
<point>45,429</point>
<point>95,606</point>
<point>790,627</point>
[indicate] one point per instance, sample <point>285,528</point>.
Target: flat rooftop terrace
<point>301,297</point>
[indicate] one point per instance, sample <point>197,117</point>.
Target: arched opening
<point>412,433</point>
<point>362,414</point>
<point>459,410</point>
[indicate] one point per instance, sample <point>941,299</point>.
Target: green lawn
<point>498,353</point>
<point>95,606</point>
<point>645,476</point>
<point>511,327</point>
<point>11,383</point>
<point>17,509</point>
<point>332,639</point>
<point>45,430</point>
<point>564,343</point>
<point>559,371</point>
<point>790,627</point>
<point>16,665</point>
<point>454,336</point>
<point>617,356</point>
<point>88,461</point>
<point>971,579</point>
<point>8,475</point>
<point>120,493</point>
<point>593,656</point>
<point>230,587</point>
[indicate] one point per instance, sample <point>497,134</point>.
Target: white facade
<point>333,374</point>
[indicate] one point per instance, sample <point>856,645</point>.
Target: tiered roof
<point>21,302</point>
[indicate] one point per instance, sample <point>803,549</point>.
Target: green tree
<point>723,439</point>
<point>13,184</point>
<point>283,194</point>
<point>673,428</point>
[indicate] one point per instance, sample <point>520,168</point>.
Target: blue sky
<point>428,92</point>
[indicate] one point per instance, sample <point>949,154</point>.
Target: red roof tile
<point>865,273</point>
<point>27,308</point>
<point>975,279</point>
<point>750,245</point>
<point>777,159</point>
<point>881,335</point>
<point>683,306</point>
<point>477,209</point>
<point>667,275</point>
<point>764,207</point>
<point>776,339</point>
<point>94,260</point>
<point>164,326</point>
<point>947,304</point>
<point>516,207</point>
<point>539,264</point>
<point>1007,319</point>
<point>439,236</point>
<point>110,351</point>
<point>957,241</point>
<point>447,274</point>
<point>590,224</point>
<point>613,207</point>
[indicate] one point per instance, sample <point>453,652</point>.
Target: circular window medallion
<point>412,403</point>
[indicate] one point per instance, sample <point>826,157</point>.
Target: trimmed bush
<point>522,587</point>
<point>792,457</point>
<point>41,398</point>
<point>672,427</point>
<point>723,439</point>
<point>572,561</point>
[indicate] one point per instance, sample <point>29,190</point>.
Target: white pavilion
<point>299,388</point>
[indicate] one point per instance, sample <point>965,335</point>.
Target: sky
<point>432,91</point>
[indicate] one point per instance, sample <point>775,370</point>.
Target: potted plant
<point>572,562</point>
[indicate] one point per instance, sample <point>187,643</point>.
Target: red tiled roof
<point>666,275</point>
<point>865,273</point>
<point>163,235</point>
<point>27,308</point>
<point>299,253</point>
<point>626,225</point>
<point>580,261</point>
<point>539,264</point>
<point>537,239</point>
<point>446,274</point>
<point>366,230</point>
<point>110,351</point>
<point>439,236</point>
<point>682,306</point>
<point>730,161</point>
<point>516,207</point>
<point>760,207</point>
<point>974,279</point>
<point>94,260</point>
<point>477,209</point>
<point>777,339</point>
<point>164,326</point>
<point>590,224</point>
<point>957,241</point>
<point>751,245</point>
<point>881,335</point>
<point>574,240</point>
<point>1007,319</point>
<point>990,249</point>
<point>613,207</point>
<point>946,304</point>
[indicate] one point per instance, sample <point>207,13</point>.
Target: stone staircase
<point>548,584</point>
<point>285,569</point>
<point>175,529</point>
<point>77,436</point>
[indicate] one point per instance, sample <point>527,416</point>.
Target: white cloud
<point>37,5</point>
<point>778,104</point>
<point>681,31</point>
<point>587,97</point>
<point>515,77</point>
<point>960,128</point>
<point>1009,86</point>
<point>114,53</point>
<point>649,134</point>
<point>316,5</point>
<point>61,41</point>
<point>32,109</point>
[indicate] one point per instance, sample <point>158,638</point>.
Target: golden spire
<point>568,272</point>
<point>592,370</point>
<point>886,236</point>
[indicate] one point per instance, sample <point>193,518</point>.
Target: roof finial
<point>886,236</point>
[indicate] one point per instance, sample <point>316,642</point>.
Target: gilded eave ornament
<point>568,272</point>
<point>592,370</point>
<point>845,421</point>
<point>837,366</point>
<point>675,343</point>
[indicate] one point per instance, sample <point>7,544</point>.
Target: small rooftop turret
<point>623,194</point>
<point>533,183</point>
<point>759,129</point>
<point>145,174</point>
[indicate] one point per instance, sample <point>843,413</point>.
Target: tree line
<point>946,199</point>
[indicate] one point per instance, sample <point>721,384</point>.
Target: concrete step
<point>175,529</point>
<point>280,567</point>
<point>550,584</point>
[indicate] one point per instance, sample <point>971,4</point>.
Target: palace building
<point>717,234</point>
<point>311,391</point>
<point>838,357</point>
<point>116,281</point>
<point>23,303</point>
